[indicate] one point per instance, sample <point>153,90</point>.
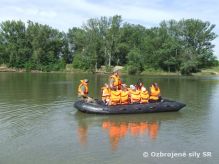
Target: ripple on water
<point>18,119</point>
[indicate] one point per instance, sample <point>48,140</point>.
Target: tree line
<point>184,45</point>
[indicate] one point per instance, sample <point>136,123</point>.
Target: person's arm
<point>111,82</point>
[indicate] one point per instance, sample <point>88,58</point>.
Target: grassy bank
<point>209,71</point>
<point>159,72</point>
<point>4,68</point>
<point>104,70</point>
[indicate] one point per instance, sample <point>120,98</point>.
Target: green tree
<point>113,39</point>
<point>184,45</point>
<point>134,61</point>
<point>67,53</point>
<point>132,36</point>
<point>196,37</point>
<point>14,49</point>
<point>46,46</point>
<point>92,43</point>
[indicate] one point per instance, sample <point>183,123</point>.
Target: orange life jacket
<point>135,96</point>
<point>80,91</point>
<point>117,81</point>
<point>124,97</point>
<point>144,97</point>
<point>155,93</point>
<point>105,94</point>
<point>115,97</point>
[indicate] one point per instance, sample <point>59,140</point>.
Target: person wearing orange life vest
<point>106,94</point>
<point>83,91</point>
<point>135,96</point>
<point>114,96</point>
<point>154,93</point>
<point>83,88</point>
<point>124,97</point>
<point>115,80</point>
<point>144,95</point>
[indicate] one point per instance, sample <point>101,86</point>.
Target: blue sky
<point>64,14</point>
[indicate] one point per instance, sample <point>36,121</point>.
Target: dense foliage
<point>184,45</point>
<point>33,47</point>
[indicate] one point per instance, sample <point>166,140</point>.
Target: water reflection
<point>82,134</point>
<point>38,122</point>
<point>118,128</point>
<point>118,131</point>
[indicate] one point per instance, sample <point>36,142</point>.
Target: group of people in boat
<point>116,92</point>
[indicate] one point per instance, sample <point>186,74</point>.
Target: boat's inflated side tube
<point>100,108</point>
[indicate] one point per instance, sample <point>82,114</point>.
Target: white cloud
<point>64,14</point>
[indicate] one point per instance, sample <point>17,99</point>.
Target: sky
<point>65,14</point>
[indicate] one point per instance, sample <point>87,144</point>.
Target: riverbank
<point>209,71</point>
<point>104,70</point>
<point>4,68</point>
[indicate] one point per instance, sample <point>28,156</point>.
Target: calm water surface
<point>39,125</point>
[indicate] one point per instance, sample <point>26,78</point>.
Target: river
<point>39,125</point>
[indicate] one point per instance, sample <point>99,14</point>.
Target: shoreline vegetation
<point>69,69</point>
<point>183,47</point>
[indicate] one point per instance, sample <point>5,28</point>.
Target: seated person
<point>124,97</point>
<point>114,96</point>
<point>135,96</point>
<point>154,93</point>
<point>144,95</point>
<point>106,94</point>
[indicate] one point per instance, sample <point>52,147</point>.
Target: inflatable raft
<point>100,108</point>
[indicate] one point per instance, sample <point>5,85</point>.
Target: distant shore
<point>4,68</point>
<point>204,72</point>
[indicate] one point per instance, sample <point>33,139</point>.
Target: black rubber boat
<point>100,108</point>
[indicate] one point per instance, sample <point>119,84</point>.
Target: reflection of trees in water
<point>196,93</point>
<point>17,120</point>
<point>26,98</point>
<point>34,88</point>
